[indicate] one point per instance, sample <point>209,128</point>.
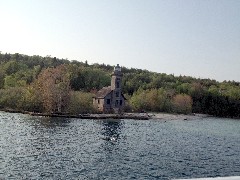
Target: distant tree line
<point>49,84</point>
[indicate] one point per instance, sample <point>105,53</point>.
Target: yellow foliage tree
<point>182,103</point>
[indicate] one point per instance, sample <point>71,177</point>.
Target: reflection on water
<point>57,148</point>
<point>49,122</point>
<point>111,129</point>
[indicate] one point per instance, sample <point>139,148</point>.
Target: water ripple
<point>47,148</point>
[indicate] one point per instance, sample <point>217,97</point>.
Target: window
<point>98,101</point>
<point>108,101</point>
<point>116,104</point>
<point>118,85</point>
<point>117,94</point>
<point>120,102</point>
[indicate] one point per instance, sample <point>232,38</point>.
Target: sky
<point>198,38</point>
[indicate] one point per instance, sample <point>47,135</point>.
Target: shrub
<point>80,102</point>
<point>182,103</point>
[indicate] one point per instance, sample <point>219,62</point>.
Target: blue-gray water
<point>55,148</point>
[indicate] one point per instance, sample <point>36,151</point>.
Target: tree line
<point>50,84</point>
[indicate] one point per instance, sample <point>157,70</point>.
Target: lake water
<point>57,148</point>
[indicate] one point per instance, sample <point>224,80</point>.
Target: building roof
<point>103,92</point>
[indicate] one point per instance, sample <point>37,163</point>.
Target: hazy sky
<point>199,38</point>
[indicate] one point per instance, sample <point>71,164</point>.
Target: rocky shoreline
<point>136,116</point>
<point>96,116</point>
<point>166,116</point>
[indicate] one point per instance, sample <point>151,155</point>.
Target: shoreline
<point>135,116</point>
<point>186,117</point>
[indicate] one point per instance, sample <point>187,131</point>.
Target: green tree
<point>13,66</point>
<point>2,77</point>
<point>12,97</point>
<point>80,102</point>
<point>12,81</point>
<point>138,100</point>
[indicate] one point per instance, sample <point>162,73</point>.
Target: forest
<point>49,84</point>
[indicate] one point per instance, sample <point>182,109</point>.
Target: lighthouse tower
<point>116,87</point>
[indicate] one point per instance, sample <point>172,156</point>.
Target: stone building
<point>110,99</point>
